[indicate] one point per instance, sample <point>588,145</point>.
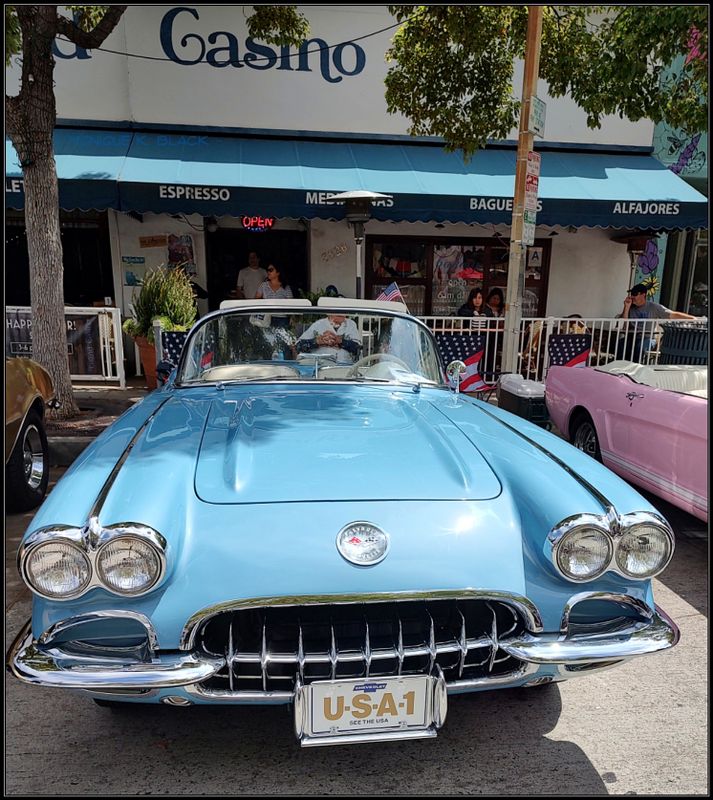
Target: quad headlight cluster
<point>62,563</point>
<point>638,546</point>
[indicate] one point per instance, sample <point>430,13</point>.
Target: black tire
<point>584,435</point>
<point>28,468</point>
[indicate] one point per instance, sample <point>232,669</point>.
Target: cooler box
<point>523,397</point>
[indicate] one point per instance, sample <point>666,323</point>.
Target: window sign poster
<point>83,345</point>
<point>534,263</point>
<point>180,252</point>
<point>153,241</point>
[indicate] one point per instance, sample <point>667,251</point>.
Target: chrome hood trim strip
<point>605,503</point>
<point>106,488</point>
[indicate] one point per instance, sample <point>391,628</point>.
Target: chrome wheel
<point>33,457</point>
<point>586,440</point>
<point>27,469</point>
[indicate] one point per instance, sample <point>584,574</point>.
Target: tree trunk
<point>30,125</point>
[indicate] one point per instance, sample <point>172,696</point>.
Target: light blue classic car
<point>308,513</point>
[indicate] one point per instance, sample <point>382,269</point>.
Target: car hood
<point>327,445</point>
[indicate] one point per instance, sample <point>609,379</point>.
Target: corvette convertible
<point>309,512</point>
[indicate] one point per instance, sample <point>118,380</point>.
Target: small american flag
<point>466,348</point>
<point>392,292</point>
<point>568,351</point>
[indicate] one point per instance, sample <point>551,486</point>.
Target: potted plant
<point>166,294</point>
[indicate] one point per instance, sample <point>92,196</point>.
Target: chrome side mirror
<point>454,371</point>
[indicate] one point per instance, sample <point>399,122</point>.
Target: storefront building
<point>200,145</point>
<point>685,279</point>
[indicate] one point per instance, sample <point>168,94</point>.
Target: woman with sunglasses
<point>274,287</point>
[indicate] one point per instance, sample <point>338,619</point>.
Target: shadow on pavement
<point>502,733</point>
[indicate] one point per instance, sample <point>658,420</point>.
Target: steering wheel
<point>373,358</point>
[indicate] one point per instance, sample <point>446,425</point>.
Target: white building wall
<point>589,274</point>
<point>112,86</point>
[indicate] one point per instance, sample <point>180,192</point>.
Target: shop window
<point>698,302</point>
<point>403,261</point>
<point>86,255</point>
<point>436,275</point>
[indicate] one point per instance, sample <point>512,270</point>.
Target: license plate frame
<point>369,709</point>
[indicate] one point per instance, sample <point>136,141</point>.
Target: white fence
<point>540,341</point>
<point>94,341</point>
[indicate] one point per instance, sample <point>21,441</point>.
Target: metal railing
<point>598,340</point>
<point>100,351</point>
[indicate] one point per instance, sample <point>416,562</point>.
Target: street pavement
<point>640,728</point>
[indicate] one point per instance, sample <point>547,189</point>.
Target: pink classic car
<point>649,424</point>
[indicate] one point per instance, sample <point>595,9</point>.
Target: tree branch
<point>91,39</point>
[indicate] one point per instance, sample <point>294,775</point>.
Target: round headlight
<point>57,569</point>
<point>583,553</point>
<point>643,551</point>
<point>128,565</point>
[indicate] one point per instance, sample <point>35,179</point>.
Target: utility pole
<point>516,263</point>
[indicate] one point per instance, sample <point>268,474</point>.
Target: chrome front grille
<point>266,648</point>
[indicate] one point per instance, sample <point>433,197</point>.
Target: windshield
<point>309,345</point>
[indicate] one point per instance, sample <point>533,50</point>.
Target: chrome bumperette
<point>613,642</point>
<point>59,629</point>
<point>54,666</point>
<point>633,603</point>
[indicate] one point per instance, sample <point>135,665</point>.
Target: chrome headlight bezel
<point>615,528</point>
<point>69,544</point>
<point>561,534</point>
<point>120,537</point>
<point>90,540</point>
<point>628,524</point>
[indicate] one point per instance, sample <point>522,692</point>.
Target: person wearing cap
<point>636,306</point>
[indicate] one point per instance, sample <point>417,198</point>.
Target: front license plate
<point>366,708</point>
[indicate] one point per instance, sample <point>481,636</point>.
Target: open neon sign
<point>258,224</point>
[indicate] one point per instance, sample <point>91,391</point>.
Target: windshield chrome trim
<point>263,307</point>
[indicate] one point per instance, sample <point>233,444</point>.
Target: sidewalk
<point>99,407</point>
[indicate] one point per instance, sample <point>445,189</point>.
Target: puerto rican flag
<point>393,293</point>
<point>571,350</point>
<point>466,348</point>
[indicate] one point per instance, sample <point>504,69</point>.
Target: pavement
<point>99,407</point>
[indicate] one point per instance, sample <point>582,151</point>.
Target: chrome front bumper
<point>49,665</point>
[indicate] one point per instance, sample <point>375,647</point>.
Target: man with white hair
<point>335,335</point>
